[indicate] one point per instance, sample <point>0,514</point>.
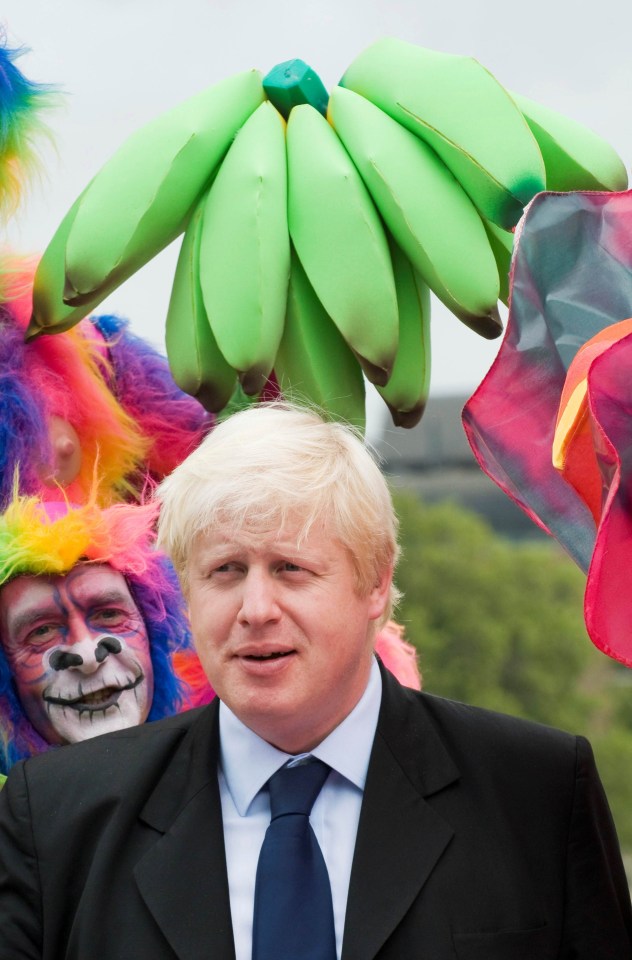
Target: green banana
<point>462,112</point>
<point>50,313</point>
<point>314,361</point>
<point>245,248</point>
<point>196,362</point>
<point>575,158</point>
<point>426,143</point>
<point>340,241</point>
<point>406,392</point>
<point>429,214</point>
<point>501,243</point>
<point>142,197</point>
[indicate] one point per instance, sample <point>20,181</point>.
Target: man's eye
<point>227,567</point>
<point>109,616</point>
<point>42,633</point>
<point>292,567</point>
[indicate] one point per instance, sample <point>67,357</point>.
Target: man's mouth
<point>256,657</point>
<point>95,700</point>
<point>268,656</point>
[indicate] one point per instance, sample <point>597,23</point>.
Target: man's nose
<point>259,603</point>
<point>86,655</point>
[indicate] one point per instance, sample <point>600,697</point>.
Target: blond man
<point>433,829</point>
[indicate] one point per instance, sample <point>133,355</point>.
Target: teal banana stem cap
<point>294,82</point>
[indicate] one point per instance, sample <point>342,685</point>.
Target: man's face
<point>78,650</point>
<point>281,631</point>
<point>66,454</point>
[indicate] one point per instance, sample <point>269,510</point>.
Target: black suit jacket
<point>480,837</point>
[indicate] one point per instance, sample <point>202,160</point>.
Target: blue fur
<point>159,599</point>
<point>144,384</point>
<point>17,94</point>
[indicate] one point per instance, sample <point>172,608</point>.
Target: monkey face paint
<point>78,649</point>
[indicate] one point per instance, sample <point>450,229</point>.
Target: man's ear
<point>379,595</point>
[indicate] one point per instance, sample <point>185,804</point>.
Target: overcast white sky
<point>121,62</point>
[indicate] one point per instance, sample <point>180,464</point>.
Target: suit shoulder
<point>469,731</point>
<point>466,728</point>
<point>111,758</point>
<point>470,715</point>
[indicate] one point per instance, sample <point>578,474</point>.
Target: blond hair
<point>274,463</point>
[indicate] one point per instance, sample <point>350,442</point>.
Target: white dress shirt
<point>246,764</point>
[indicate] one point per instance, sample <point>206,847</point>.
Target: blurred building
<point>435,461</point>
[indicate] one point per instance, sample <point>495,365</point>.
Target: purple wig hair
<point>23,428</point>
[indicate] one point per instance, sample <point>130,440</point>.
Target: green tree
<point>500,624</point>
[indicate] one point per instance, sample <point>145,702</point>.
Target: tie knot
<point>294,789</point>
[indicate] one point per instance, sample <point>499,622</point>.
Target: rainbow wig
<point>111,386</point>
<point>38,538</point>
<point>20,103</point>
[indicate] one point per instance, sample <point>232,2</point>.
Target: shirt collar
<point>248,762</point>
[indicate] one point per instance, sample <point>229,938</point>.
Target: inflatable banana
<point>415,193</point>
<point>245,249</point>
<point>340,241</point>
<point>195,360</point>
<point>50,313</point>
<point>406,392</point>
<point>140,200</point>
<point>314,362</point>
<point>309,250</point>
<point>156,177</point>
<point>458,108</point>
<point>572,153</point>
<point>501,243</point>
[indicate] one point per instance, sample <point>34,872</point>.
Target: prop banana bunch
<point>315,227</point>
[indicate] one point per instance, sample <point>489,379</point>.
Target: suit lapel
<point>400,837</point>
<point>182,878</point>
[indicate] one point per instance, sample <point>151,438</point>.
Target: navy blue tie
<point>293,913</point>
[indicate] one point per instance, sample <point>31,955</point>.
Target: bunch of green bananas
<point>315,226</point>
